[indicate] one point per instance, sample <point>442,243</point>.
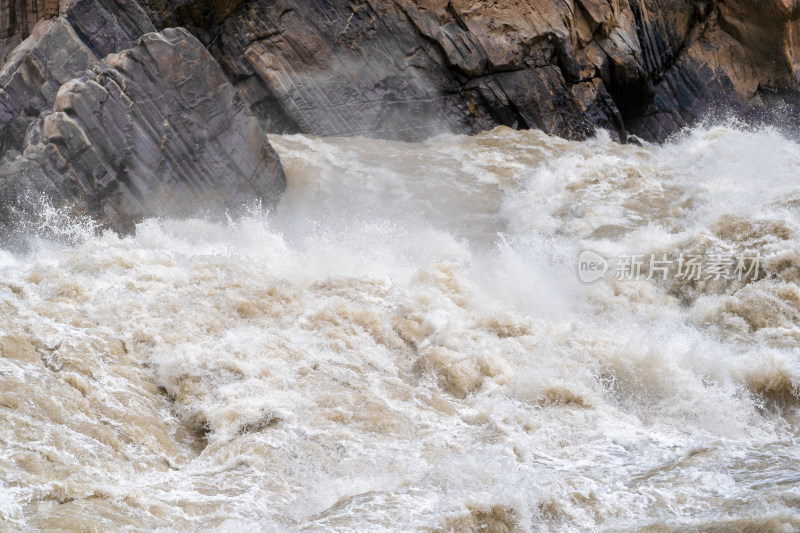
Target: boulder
<point>156,129</point>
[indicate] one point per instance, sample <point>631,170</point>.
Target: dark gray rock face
<point>388,69</point>
<point>107,26</point>
<point>153,129</point>
<point>412,68</point>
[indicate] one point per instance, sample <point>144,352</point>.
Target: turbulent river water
<point>404,343</point>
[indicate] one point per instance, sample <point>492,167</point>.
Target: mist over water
<point>404,344</point>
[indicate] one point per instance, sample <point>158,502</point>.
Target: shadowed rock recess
<point>174,113</point>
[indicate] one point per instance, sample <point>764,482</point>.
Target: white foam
<point>404,343</point>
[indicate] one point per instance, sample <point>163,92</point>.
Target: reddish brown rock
<point>18,17</point>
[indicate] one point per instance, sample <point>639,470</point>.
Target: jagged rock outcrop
<point>100,112</point>
<point>154,129</point>
<point>411,68</point>
<point>36,69</point>
<point>714,56</point>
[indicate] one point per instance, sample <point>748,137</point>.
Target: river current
<point>410,341</point>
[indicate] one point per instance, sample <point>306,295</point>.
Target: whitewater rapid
<point>404,344</point>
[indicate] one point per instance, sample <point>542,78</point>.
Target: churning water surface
<point>404,344</point>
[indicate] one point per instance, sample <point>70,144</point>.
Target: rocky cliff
<point>410,68</point>
<point>388,68</point>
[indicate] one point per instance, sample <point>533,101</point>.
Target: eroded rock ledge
<point>173,117</point>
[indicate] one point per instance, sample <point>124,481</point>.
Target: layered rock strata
<point>100,112</point>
